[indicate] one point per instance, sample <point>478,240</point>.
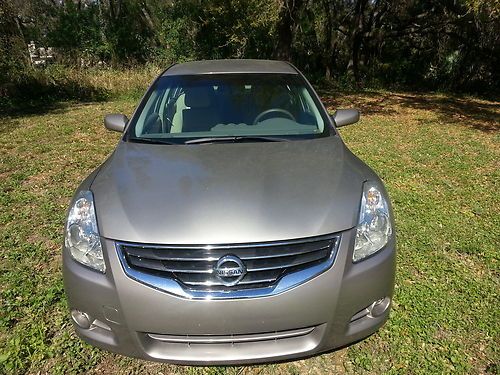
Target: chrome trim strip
<point>237,245</point>
<point>230,339</point>
<point>214,259</point>
<point>284,265</point>
<point>287,282</point>
<point>210,283</point>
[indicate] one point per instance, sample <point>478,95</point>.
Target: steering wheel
<point>279,110</point>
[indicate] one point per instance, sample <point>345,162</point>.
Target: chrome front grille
<point>193,268</point>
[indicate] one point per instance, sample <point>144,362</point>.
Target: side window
<point>310,115</point>
<point>149,121</point>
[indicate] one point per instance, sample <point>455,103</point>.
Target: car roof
<point>230,66</point>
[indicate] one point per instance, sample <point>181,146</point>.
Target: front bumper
<point>320,315</point>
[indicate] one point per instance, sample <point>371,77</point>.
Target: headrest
<point>198,97</point>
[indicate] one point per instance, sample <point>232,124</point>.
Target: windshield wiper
<point>157,141</point>
<point>235,139</point>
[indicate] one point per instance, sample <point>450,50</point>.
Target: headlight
<point>374,226</point>
<point>81,235</point>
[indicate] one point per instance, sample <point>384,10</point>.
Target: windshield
<point>227,105</point>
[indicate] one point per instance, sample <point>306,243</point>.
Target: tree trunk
<point>357,40</point>
<point>286,27</point>
<point>327,53</point>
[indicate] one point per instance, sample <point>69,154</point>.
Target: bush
<point>40,87</point>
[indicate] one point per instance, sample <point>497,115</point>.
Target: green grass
<point>439,157</point>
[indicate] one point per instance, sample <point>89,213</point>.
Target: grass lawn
<point>439,157</point>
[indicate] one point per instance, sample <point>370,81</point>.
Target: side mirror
<point>343,117</point>
<point>115,122</point>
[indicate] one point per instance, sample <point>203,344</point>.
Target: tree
<point>451,44</point>
<point>13,51</point>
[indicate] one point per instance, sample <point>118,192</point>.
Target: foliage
<point>76,31</point>
<point>13,54</point>
<point>37,89</point>
<point>235,28</point>
<point>451,45</point>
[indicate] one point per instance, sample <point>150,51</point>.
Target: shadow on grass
<point>35,97</point>
<point>478,114</point>
<point>9,119</point>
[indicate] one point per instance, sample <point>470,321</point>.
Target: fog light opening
<point>81,319</point>
<point>379,307</point>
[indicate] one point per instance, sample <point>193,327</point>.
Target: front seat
<point>179,106</point>
<point>201,114</point>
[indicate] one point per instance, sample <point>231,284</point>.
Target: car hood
<point>228,192</point>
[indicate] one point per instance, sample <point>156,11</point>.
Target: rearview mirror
<point>343,117</point>
<point>115,122</point>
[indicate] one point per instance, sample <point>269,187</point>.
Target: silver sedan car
<point>231,224</point>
